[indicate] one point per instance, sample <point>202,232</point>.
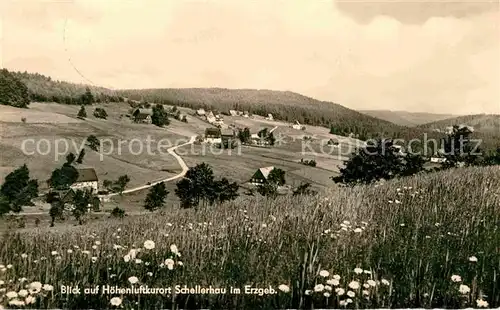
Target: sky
<point>421,56</point>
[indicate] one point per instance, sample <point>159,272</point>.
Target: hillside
<point>405,118</point>
<point>432,226</point>
<point>284,105</point>
<point>44,89</point>
<point>480,122</point>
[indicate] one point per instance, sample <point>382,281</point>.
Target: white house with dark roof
<point>87,179</point>
<point>261,175</point>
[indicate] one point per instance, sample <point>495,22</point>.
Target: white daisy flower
<point>115,301</point>
<point>324,273</point>
<point>149,244</point>
<point>354,285</point>
<point>284,288</point>
<point>133,280</point>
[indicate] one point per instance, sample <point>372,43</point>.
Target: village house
<point>200,112</point>
<point>210,117</point>
<point>246,114</point>
<point>233,112</point>
<point>270,117</point>
<point>298,126</point>
<point>143,116</point>
<point>87,180</point>
<point>261,176</point>
<point>227,134</point>
<point>212,135</point>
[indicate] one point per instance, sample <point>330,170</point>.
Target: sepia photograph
<point>249,154</point>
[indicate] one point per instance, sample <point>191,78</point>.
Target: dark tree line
<point>13,92</point>
<point>380,159</point>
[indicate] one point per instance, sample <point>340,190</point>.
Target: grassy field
<point>142,167</point>
<point>426,241</point>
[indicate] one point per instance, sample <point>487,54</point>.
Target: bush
<point>118,213</point>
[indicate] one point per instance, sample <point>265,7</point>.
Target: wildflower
<point>149,274</point>
<point>22,280</point>
<point>348,300</point>
<point>53,253</point>
<point>340,291</point>
<point>456,278</point>
<point>174,249</point>
<point>319,288</point>
<point>22,293</point>
<point>132,253</point>
<point>97,242</point>
<point>482,303</point>
<point>366,285</point>
<point>366,293</point>
<point>24,255</point>
<point>138,261</point>
<point>358,270</point>
<point>336,277</point>
<point>126,258</point>
<point>333,282</point>
<point>324,273</point>
<point>358,230</point>
<point>48,288</point>
<point>346,223</point>
<point>354,285</point>
<point>9,266</point>
<point>94,259</point>
<point>2,282</point>
<point>30,300</point>
<point>307,292</point>
<point>463,289</point>
<point>385,282</point>
<point>473,259</point>
<point>133,280</point>
<point>169,263</point>
<point>35,287</point>
<point>11,295</point>
<point>16,302</point>
<point>284,288</point>
<point>70,251</point>
<point>351,294</point>
<point>86,252</point>
<point>342,303</point>
<point>149,244</point>
<point>94,247</point>
<point>264,225</point>
<point>326,294</point>
<point>115,301</point>
<point>367,271</point>
<point>180,263</point>
<point>371,283</point>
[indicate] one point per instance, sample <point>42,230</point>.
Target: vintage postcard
<point>249,154</point>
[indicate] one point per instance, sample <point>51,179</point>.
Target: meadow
<point>431,240</point>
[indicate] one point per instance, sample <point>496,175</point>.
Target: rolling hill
<point>480,122</point>
<point>404,118</point>
<point>284,105</point>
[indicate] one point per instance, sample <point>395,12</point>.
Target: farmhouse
<point>200,112</point>
<point>246,114</point>
<point>270,117</point>
<point>87,180</point>
<point>233,112</point>
<point>298,126</point>
<point>227,134</point>
<point>438,159</point>
<point>211,117</point>
<point>261,175</point>
<point>212,135</point>
<point>143,116</point>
